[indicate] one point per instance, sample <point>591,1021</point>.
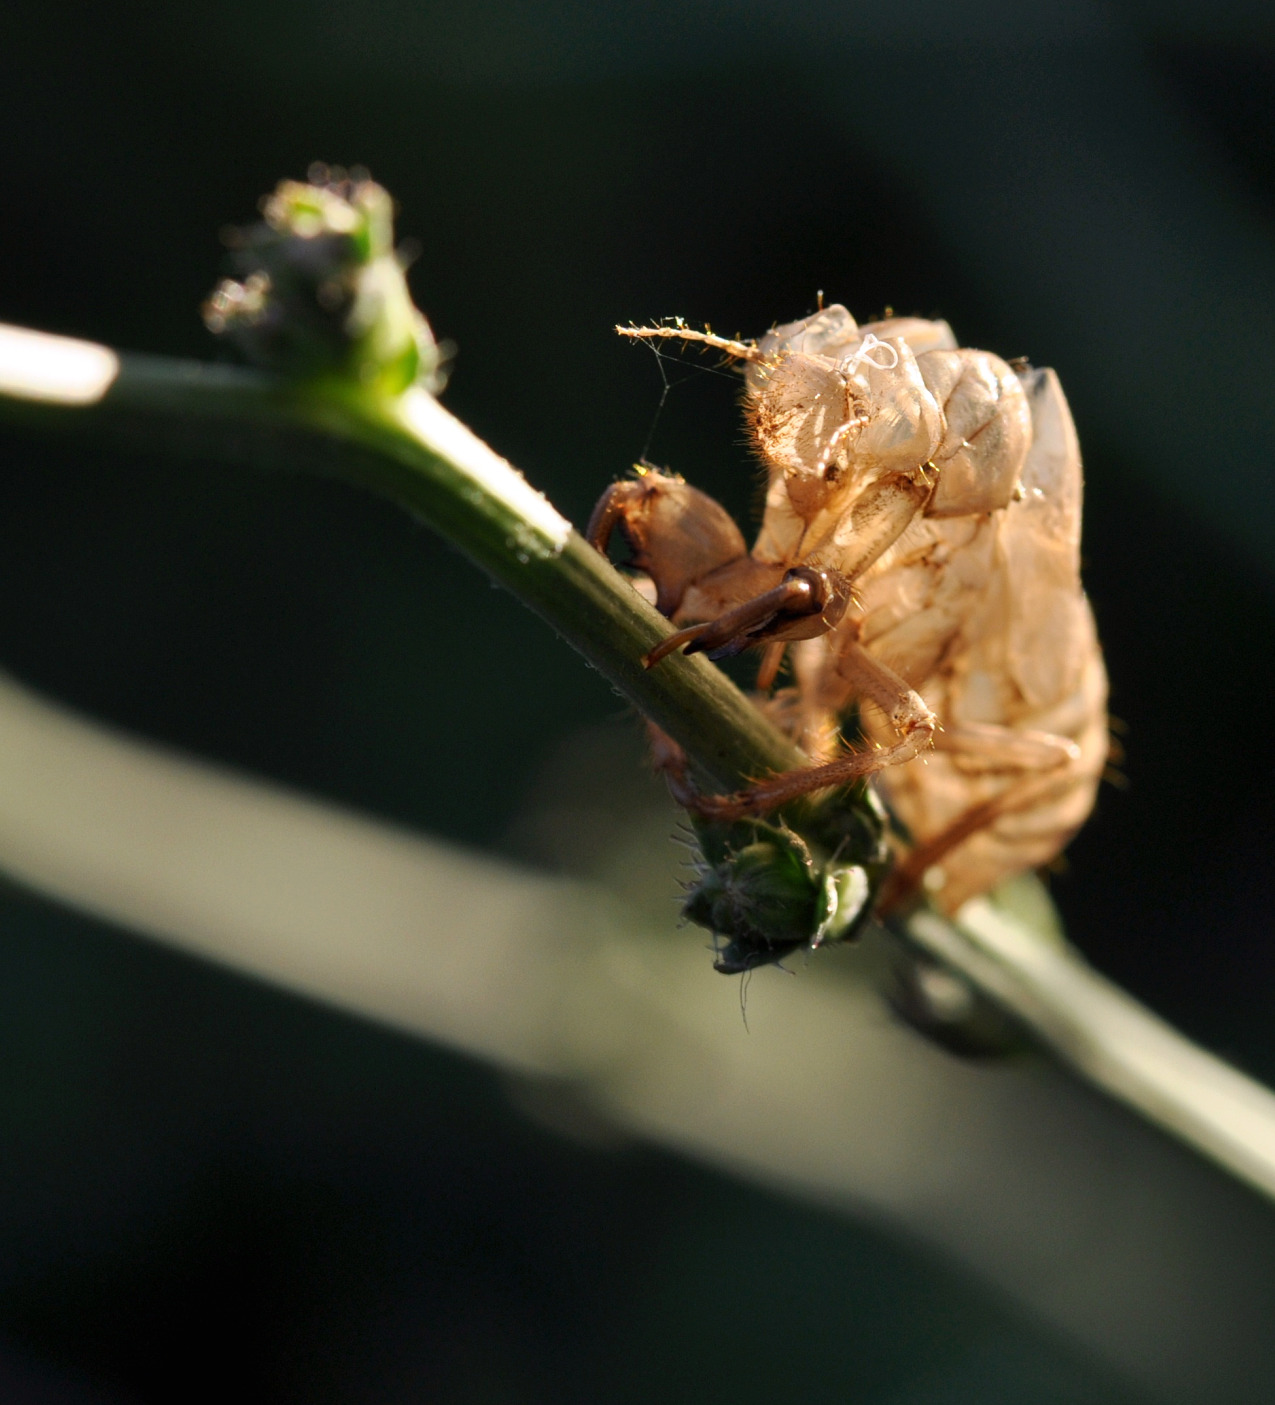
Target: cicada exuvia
<point>918,564</point>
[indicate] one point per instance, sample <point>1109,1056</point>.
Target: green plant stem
<point>1106,1037</point>
<point>412,450</point>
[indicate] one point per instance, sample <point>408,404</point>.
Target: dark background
<point>211,1190</point>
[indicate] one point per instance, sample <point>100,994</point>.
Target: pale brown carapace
<point>918,557</point>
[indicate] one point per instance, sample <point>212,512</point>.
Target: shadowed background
<point>210,1187</point>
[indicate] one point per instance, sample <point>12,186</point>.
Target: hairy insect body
<point>919,559</point>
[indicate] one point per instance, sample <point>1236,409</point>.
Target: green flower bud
<point>763,889</point>
<point>320,291</point>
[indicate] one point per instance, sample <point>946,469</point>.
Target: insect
<point>918,562</point>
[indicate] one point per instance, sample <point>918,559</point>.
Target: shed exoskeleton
<point>918,558</point>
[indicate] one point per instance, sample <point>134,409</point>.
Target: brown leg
<point>912,719</point>
<point>805,603</point>
<point>677,534</point>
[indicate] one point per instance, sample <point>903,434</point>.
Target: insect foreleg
<point>805,603</point>
<point>677,534</point>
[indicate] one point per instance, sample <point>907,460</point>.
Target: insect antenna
<point>740,350</point>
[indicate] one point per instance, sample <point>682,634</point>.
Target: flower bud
<point>764,890</point>
<point>320,291</point>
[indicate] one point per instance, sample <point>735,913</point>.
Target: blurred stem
<point>410,449</point>
<point>1105,1036</point>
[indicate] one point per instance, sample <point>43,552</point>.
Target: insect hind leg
<point>907,711</point>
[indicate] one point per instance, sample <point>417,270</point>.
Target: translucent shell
<point>936,493</point>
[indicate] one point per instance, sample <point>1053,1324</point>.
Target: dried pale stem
<point>412,450</point>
